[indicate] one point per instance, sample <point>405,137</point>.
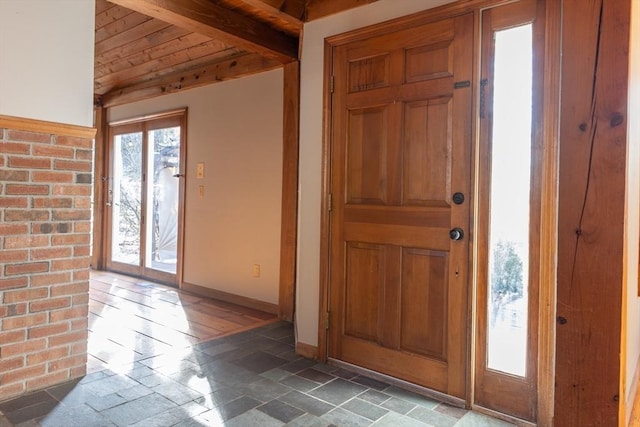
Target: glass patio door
<point>145,190</point>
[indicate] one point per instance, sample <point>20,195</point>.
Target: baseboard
<point>307,350</point>
<point>231,298</point>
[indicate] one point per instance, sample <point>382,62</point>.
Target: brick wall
<point>45,201</point>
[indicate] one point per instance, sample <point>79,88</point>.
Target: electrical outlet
<point>201,191</point>
<point>255,270</point>
<point>200,170</point>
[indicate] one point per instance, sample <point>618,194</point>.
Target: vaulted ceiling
<point>146,48</point>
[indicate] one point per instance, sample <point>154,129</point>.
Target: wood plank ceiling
<point>146,48</point>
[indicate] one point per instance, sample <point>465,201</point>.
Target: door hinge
<point>330,202</point>
<point>332,83</point>
<point>326,320</point>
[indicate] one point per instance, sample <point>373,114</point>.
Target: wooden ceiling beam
<point>231,27</point>
<point>232,68</point>
<point>319,8</point>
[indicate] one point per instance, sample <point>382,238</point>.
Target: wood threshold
<point>231,298</point>
<point>43,126</point>
<point>504,417</point>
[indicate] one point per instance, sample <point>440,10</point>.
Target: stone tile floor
<point>253,378</point>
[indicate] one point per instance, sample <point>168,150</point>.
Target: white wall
<point>46,60</point>
<point>235,128</point>
<point>633,212</point>
<point>312,68</point>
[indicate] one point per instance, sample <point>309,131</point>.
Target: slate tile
<point>276,374</point>
<point>139,409</point>
<point>475,419</point>
<point>218,398</point>
<point>176,392</point>
<point>281,411</point>
<point>298,365</point>
<point>110,385</point>
<point>308,420</point>
<point>343,418</point>
<point>253,418</point>
<point>370,383</point>
<point>393,419</point>
<point>306,403</point>
<point>263,390</point>
<point>337,391</point>
<point>300,384</point>
<point>432,417</point>
<point>38,409</point>
<point>260,362</point>
<point>172,416</point>
<point>375,397</point>
<point>239,406</point>
<point>77,416</point>
<point>365,409</point>
<point>411,397</point>
<point>316,376</point>
<point>26,401</point>
<point>398,405</point>
<point>343,373</point>
<point>451,411</point>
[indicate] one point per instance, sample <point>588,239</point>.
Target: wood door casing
<point>401,147</point>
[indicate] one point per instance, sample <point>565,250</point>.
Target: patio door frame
<point>144,124</point>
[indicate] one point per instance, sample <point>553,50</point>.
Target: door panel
<point>401,134</point>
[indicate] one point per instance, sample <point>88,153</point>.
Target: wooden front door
<point>401,150</point>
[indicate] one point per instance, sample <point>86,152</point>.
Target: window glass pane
<point>162,204</point>
<point>509,203</point>
<point>126,198</point>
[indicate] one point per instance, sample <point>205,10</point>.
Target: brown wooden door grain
<point>401,147</point>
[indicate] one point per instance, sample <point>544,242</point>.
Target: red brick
<point>19,135</point>
<point>10,364</point>
<point>26,268</point>
<point>72,215</point>
<point>77,142</point>
<point>47,355</point>
<point>1,161</point>
<point>52,202</point>
<point>52,151</point>
<point>22,322</point>
<point>49,304</point>
<point>14,148</point>
<point>51,253</point>
<point>48,380</point>
<point>82,202</point>
<point>82,227</point>
<point>72,165</point>
<point>17,282</point>
<point>51,176</point>
<point>25,242</point>
<point>27,190</point>
<point>70,264</point>
<point>67,363</point>
<point>48,330</point>
<point>19,309</point>
<point>70,289</point>
<point>8,229</point>
<point>12,336</point>
<point>22,373</point>
<point>80,300</point>
<point>68,313</point>
<point>11,390</point>
<point>14,202</point>
<point>29,162</point>
<point>26,215</point>
<point>79,251</point>
<point>71,239</point>
<point>14,175</point>
<point>79,347</point>
<point>50,279</point>
<point>68,338</point>
<point>25,295</point>
<point>78,371</point>
<point>81,275</point>
<point>14,256</point>
<point>84,154</point>
<point>71,190</point>
<point>81,324</point>
<point>26,347</point>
